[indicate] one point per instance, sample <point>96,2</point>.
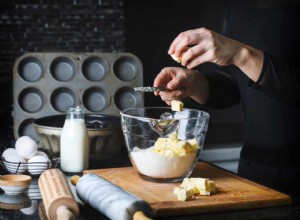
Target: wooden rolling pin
<point>57,196</point>
<point>109,199</point>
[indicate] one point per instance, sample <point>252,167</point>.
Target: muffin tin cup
<point>46,83</point>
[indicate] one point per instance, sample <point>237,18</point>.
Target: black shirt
<point>272,104</point>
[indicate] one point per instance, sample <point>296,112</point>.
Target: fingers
<point>194,59</point>
<point>173,45</point>
<point>173,79</point>
<point>171,95</point>
<point>169,78</point>
<point>184,41</point>
<point>162,79</point>
<point>190,56</point>
<point>195,47</point>
<point>180,44</point>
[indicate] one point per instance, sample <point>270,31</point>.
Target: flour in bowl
<point>168,158</point>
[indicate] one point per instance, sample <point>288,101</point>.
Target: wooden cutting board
<point>233,192</point>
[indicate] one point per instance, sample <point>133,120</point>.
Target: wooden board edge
<point>160,211</point>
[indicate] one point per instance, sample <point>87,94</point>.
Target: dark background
<point>144,28</point>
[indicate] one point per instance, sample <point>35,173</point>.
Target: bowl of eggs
<point>25,158</point>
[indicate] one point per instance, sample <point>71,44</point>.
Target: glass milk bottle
<point>74,142</point>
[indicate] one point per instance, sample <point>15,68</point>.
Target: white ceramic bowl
<point>14,183</point>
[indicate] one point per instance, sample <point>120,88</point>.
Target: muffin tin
<point>46,83</point>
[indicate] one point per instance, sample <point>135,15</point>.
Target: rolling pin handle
<point>74,180</point>
<point>63,213</point>
<point>139,215</point>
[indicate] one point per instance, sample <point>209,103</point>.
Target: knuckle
<point>184,37</point>
<point>207,33</point>
<point>191,53</point>
<point>203,29</point>
<point>211,55</point>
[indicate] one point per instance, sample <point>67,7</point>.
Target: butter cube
<point>174,135</point>
<point>194,144</point>
<point>199,183</point>
<point>212,186</point>
<point>194,186</point>
<point>201,186</point>
<point>184,194</point>
<point>177,59</point>
<point>176,105</point>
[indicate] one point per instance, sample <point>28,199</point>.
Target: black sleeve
<point>280,79</point>
<point>224,91</point>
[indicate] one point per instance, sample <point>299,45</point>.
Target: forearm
<point>250,61</point>
<point>201,91</point>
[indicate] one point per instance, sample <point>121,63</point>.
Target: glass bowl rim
<point>206,115</point>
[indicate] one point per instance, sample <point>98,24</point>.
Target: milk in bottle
<point>74,142</point>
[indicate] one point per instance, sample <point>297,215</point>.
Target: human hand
<point>201,45</point>
<point>181,83</point>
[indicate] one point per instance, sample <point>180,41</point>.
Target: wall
<point>53,26</point>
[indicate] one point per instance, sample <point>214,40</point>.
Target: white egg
<point>41,153</point>
<point>26,147</point>
<point>14,163</point>
<point>38,164</point>
<point>9,151</point>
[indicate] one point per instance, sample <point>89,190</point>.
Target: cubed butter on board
<point>194,186</point>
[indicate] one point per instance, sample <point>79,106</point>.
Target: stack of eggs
<point>25,157</point>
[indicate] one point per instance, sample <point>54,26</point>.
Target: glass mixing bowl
<point>164,145</point>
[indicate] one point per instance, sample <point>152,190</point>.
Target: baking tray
<point>46,83</point>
